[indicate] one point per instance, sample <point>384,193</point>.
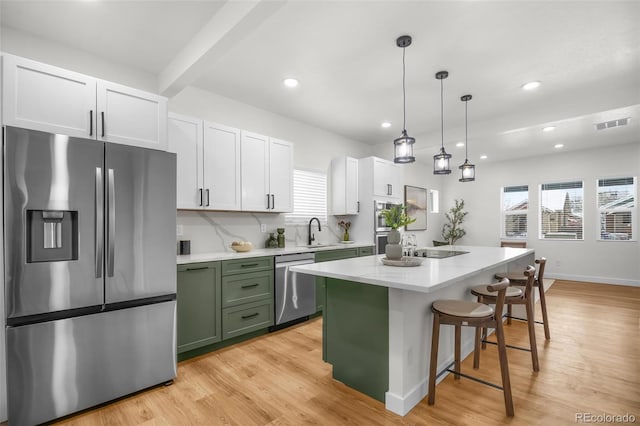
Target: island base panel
<point>356,335</point>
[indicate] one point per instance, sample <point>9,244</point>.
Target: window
<point>617,208</point>
<point>515,205</point>
<point>561,210</point>
<point>435,200</point>
<point>309,197</point>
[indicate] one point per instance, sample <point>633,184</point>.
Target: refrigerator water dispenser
<point>52,235</point>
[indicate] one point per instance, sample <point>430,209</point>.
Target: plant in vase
<point>345,226</point>
<point>452,230</point>
<point>395,217</point>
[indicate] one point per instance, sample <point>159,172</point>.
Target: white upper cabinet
<point>266,173</point>
<point>51,99</point>
<point>344,186</point>
<point>208,157</point>
<point>255,172</point>
<point>41,97</point>
<point>221,156</point>
<point>131,117</point>
<point>387,179</point>
<point>185,139</point>
<point>281,175</point>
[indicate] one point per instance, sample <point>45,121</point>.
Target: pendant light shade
<point>403,146</point>
<point>441,161</point>
<point>468,170</point>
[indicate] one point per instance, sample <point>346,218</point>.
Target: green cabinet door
<point>366,251</point>
<point>326,256</point>
<point>199,305</point>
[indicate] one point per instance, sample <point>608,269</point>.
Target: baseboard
<point>597,280</point>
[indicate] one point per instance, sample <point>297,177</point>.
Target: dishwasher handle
<point>294,263</point>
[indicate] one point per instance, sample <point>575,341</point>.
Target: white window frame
<point>541,236</point>
<point>319,189</point>
<point>633,210</point>
<point>504,214</point>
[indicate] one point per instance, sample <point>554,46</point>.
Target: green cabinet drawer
<point>325,256</point>
<point>198,312</point>
<point>249,264</point>
<point>366,251</point>
<point>244,288</point>
<point>245,318</point>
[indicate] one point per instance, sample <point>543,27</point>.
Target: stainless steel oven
<point>381,241</point>
<point>378,219</point>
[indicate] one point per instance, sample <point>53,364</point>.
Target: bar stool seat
<point>461,313</point>
<point>517,279</point>
<point>482,290</point>
<point>463,308</point>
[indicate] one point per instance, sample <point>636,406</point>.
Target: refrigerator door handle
<point>99,222</point>
<point>111,223</point>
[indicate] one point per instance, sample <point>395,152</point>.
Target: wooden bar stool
<point>520,280</point>
<point>465,313</point>
<point>513,296</point>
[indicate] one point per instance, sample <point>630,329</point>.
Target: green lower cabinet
<point>246,318</point>
<point>199,309</point>
<point>366,251</point>
<point>356,335</point>
<point>326,256</point>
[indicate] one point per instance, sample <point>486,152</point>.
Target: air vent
<point>613,123</point>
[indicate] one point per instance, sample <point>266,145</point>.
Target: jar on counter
<point>280,237</point>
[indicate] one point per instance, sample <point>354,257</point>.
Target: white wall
<point>614,262</point>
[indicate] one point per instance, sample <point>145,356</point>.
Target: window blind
<point>561,210</point>
<point>309,197</point>
<point>515,207</point>
<point>617,208</point>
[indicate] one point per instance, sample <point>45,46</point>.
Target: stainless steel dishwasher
<point>295,293</point>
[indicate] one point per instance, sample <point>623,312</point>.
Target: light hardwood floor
<point>591,364</point>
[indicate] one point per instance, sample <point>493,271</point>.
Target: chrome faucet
<point>311,236</point>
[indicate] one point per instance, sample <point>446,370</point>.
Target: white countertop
<point>431,275</point>
<point>258,252</point>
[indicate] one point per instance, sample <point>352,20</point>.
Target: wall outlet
<point>179,230</point>
<point>263,227</point>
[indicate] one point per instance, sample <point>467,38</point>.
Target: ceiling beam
<point>225,29</point>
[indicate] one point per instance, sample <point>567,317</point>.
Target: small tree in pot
<point>395,217</point>
<point>451,231</point>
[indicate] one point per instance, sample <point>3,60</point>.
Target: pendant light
<point>468,169</point>
<point>441,160</point>
<point>403,146</point>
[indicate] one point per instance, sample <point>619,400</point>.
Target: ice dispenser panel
<point>52,235</point>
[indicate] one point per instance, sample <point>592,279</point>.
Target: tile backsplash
<point>215,231</point>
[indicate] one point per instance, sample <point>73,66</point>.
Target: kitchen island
<point>378,322</point>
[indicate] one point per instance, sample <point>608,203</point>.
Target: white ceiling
<point>585,53</point>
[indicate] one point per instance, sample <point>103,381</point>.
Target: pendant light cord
<point>404,99</point>
<point>442,113</point>
<point>466,139</point>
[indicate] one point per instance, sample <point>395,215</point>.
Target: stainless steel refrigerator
<point>90,272</point>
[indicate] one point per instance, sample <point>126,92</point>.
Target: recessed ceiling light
<point>531,85</point>
<point>460,144</point>
<point>290,82</point>
<point>385,125</point>
<point>549,129</point>
<point>483,157</point>
<point>558,145</point>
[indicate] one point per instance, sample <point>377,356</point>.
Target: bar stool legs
<point>543,307</point>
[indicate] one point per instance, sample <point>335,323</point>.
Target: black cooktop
<point>437,254</point>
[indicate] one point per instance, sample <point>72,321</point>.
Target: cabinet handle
<point>389,189</point>
<point>250,316</point>
<point>358,209</point>
<point>102,115</point>
<point>250,285</point>
<point>248,265</point>
<point>273,201</point>
<point>90,122</point>
<point>268,202</point>
<point>207,197</point>
<point>197,269</point>
<point>200,189</point>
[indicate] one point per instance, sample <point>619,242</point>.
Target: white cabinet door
<point>222,167</point>
<point>185,139</point>
<point>351,186</point>
<point>42,97</point>
<point>131,117</point>
<point>387,179</point>
<point>254,153</point>
<point>281,175</point>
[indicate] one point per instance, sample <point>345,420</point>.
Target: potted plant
<point>345,225</point>
<point>452,231</point>
<point>394,218</point>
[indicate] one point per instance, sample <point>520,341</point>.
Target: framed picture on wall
<point>415,198</point>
